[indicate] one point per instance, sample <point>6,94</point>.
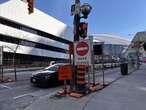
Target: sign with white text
<point>82,50</point>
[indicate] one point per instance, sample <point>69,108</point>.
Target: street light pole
<point>76,23</point>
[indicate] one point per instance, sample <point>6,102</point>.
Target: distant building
<point>136,48</point>
<point>39,37</point>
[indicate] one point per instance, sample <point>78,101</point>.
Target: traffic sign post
<point>77,10</point>
<point>83,56</point>
<point>65,73</point>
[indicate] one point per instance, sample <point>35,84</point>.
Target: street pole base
<point>104,85</point>
<point>64,91</point>
<point>96,87</point>
<point>76,94</point>
<point>5,80</point>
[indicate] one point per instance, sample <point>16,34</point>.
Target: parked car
<point>47,76</point>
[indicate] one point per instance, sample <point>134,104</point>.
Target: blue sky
<point>119,17</point>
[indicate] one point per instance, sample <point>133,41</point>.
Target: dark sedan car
<point>47,76</point>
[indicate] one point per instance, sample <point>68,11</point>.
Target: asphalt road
<point>18,95</point>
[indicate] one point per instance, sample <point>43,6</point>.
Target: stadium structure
<point>40,38</point>
<point>113,44</point>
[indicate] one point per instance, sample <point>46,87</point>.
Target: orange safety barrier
<point>81,71</point>
<point>81,66</point>
<point>81,82</point>
<point>80,77</point>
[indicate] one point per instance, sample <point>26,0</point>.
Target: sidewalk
<point>22,69</point>
<point>128,93</point>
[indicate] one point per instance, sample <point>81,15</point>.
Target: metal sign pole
<point>92,59</point>
<point>65,87</point>
<point>103,71</point>
<point>93,75</point>
<point>1,62</point>
<point>2,74</point>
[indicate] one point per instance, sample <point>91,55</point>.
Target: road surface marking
<point>33,94</point>
<point>19,96</point>
<point>4,86</point>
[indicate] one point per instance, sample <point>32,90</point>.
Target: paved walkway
<point>128,93</point>
<point>22,69</point>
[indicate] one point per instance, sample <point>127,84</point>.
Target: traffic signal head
<point>30,6</point>
<point>83,29</point>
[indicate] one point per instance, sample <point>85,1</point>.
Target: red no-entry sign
<point>82,52</point>
<point>82,48</point>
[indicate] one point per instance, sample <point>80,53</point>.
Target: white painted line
<point>35,94</point>
<point>5,86</point>
<point>19,96</point>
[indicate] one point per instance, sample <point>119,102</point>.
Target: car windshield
<point>52,68</point>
